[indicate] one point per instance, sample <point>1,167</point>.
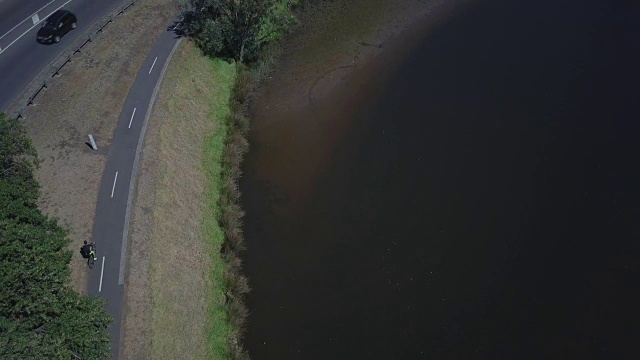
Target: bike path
<point>110,227</point>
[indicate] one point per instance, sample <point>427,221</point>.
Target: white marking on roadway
<point>101,274</point>
<point>114,184</point>
<point>25,33</point>
<point>132,115</point>
<point>35,19</point>
<point>13,28</point>
<point>152,65</point>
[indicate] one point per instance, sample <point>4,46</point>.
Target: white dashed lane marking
<point>132,115</point>
<point>152,65</point>
<point>114,184</point>
<point>101,274</point>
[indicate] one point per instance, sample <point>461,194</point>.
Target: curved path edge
<point>117,187</point>
<point>134,177</point>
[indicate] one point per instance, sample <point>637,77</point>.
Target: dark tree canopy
<point>235,28</point>
<point>41,316</point>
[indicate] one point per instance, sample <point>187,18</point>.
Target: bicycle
<point>92,256</point>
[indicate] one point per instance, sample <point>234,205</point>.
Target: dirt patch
<point>169,284</point>
<point>87,99</point>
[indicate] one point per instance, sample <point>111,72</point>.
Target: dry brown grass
<point>136,324</point>
<point>181,256</point>
<point>87,98</point>
<point>169,287</point>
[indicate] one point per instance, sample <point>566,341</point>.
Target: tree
<point>17,155</point>
<point>18,188</point>
<point>234,28</point>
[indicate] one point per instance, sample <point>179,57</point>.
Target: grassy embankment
<point>224,152</point>
<point>188,283</point>
<point>196,283</point>
<point>219,207</point>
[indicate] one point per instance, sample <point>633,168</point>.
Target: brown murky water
<point>467,191</point>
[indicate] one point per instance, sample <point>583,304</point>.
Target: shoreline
<point>331,61</point>
<point>324,55</point>
<point>299,120</point>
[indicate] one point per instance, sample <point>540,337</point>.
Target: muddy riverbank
<point>343,54</point>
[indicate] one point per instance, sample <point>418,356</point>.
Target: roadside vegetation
<point>238,29</point>
<point>244,35</point>
<point>187,222</point>
<point>186,269</point>
<point>41,316</point>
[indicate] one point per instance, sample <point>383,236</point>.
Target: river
<point>481,200</point>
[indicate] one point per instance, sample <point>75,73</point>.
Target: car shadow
<point>46,43</point>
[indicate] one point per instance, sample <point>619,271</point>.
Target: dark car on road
<point>56,26</point>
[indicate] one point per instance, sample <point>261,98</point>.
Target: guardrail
<point>53,69</point>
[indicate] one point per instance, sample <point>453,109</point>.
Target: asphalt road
<point>21,57</point>
<point>110,230</point>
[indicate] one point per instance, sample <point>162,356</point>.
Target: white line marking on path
<point>25,33</point>
<point>132,115</point>
<point>152,65</point>
<point>101,274</point>
<point>114,184</point>
<point>35,19</point>
<point>136,158</point>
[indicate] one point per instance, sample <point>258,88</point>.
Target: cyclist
<point>89,250</point>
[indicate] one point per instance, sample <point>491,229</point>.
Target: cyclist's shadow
<point>85,254</point>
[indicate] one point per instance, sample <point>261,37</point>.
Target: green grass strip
<point>219,328</point>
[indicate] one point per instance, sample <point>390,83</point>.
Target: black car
<point>58,24</point>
